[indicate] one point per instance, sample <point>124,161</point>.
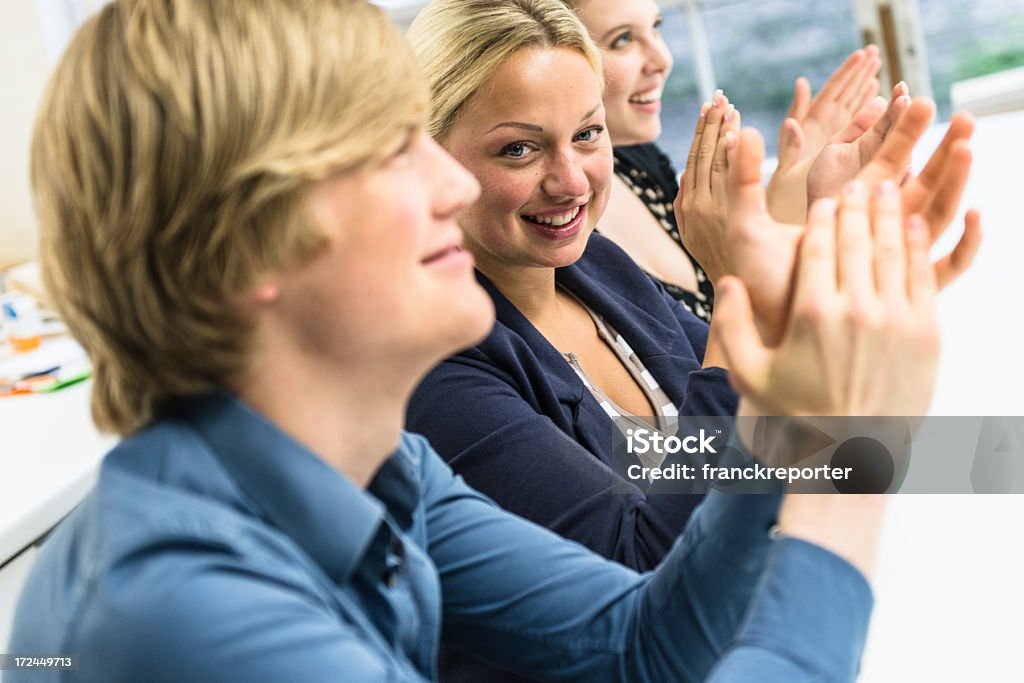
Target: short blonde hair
<point>171,162</point>
<point>461,44</point>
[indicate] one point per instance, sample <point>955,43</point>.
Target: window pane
<point>758,48</point>
<point>968,38</point>
<point>682,99</point>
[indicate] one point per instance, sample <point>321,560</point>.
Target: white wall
<point>25,68</point>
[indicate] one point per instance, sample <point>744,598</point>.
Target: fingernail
<point>856,189</point>
<point>722,289</point>
<point>731,140</point>
<point>887,189</point>
<point>730,113</point>
<point>717,99</point>
<point>704,109</point>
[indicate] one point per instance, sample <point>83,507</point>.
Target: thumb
<point>746,193</point>
<point>747,357</point>
<point>791,142</point>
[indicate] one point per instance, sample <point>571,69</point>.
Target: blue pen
<point>38,373</point>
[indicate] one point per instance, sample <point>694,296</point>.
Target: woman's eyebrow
<point>516,124</point>
<point>609,32</point>
<point>532,127</point>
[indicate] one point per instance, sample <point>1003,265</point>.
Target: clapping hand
<point>811,124</point>
<point>701,207</point>
<point>860,337</point>
<point>764,250</point>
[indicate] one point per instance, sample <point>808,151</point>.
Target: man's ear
<point>266,292</point>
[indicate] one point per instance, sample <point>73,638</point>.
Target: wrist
<point>845,524</point>
<point>714,354</point>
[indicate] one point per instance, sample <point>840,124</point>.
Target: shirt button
<point>393,561</point>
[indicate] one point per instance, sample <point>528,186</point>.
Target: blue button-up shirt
<point>216,548</point>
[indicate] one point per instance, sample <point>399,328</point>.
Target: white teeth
<point>647,97</point>
<point>556,221</point>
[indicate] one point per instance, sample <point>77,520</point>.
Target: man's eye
<point>622,40</point>
<point>405,147</point>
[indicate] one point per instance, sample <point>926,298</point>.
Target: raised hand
<point>763,250</point>
<point>861,336</point>
<point>701,206</point>
<point>810,124</point>
<point>838,162</point>
<point>852,148</point>
<point>861,339</point>
<point>936,192</point>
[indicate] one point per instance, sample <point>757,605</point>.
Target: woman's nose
<point>566,177</point>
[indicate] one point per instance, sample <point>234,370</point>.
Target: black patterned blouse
<point>648,172</point>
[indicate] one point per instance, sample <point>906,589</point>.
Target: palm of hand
<point>838,163</point>
<point>765,254</point>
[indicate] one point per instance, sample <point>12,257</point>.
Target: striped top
<point>664,419</point>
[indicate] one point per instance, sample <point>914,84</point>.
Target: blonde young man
<point>247,226</point>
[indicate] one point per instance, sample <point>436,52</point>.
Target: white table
<point>49,453</point>
<point>950,579</point>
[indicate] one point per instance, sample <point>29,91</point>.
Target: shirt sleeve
<point>507,449</point>
<point>521,598</point>
<point>808,621</point>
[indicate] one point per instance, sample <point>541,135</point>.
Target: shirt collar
<point>323,511</point>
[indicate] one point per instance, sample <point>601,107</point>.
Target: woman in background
<point>640,216</point>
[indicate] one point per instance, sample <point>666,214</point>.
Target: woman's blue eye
<point>622,40</point>
<point>516,150</point>
<point>590,134</point>
<point>657,24</point>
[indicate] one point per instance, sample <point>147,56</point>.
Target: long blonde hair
<point>460,44</point>
<point>171,160</point>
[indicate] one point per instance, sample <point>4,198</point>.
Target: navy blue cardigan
<point>512,417</point>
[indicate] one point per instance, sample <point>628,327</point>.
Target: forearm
<point>845,524</point>
<point>698,598</point>
<point>520,597</point>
